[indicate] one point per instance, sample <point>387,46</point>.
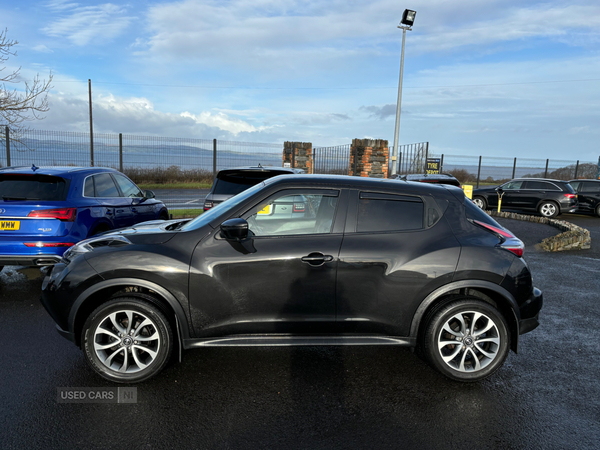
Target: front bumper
<point>530,311</point>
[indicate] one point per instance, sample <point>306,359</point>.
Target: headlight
<point>88,245</point>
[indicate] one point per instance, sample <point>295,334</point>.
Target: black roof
<point>260,168</point>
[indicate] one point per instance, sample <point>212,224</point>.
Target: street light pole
<point>399,103</point>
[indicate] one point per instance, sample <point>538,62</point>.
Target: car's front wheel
<point>480,201</point>
<point>548,209</point>
<point>127,340</point>
<point>466,340</point>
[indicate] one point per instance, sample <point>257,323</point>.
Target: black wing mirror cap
<point>234,229</point>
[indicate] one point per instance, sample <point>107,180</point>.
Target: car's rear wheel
<point>548,209</point>
<point>466,340</point>
<point>127,340</point>
<point>480,201</point>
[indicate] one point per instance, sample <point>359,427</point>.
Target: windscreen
<point>232,183</point>
<point>32,187</point>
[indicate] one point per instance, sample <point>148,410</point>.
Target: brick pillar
<point>299,155</point>
<point>372,157</point>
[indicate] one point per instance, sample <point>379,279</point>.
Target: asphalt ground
<point>546,397</point>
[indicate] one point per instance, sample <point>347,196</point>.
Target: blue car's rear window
<point>32,187</point>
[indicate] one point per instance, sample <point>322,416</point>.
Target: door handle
<point>317,259</point>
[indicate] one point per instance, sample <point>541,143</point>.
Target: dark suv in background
<point>368,262</point>
<point>230,182</point>
<point>439,178</point>
<point>548,197</point>
<point>588,195</point>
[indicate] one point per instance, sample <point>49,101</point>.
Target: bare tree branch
<point>18,106</point>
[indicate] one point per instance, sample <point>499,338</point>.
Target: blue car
<point>44,211</point>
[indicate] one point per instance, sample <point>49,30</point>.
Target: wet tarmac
<point>546,397</point>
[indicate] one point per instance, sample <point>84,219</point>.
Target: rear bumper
<point>530,311</point>
<point>39,259</point>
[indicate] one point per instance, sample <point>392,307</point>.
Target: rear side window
<point>541,185</point>
<point>385,212</point>
<point>33,187</point>
<point>104,186</point>
<point>232,183</point>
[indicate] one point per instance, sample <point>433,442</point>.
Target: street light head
<point>408,17</point>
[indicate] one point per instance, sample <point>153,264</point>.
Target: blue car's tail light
<point>63,214</point>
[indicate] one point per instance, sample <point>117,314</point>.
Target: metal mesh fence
<point>169,166</point>
<point>332,160</point>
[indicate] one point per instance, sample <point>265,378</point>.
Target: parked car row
<point>545,196</point>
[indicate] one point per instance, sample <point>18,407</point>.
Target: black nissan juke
<point>365,262</point>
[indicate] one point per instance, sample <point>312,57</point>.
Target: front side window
<point>127,187</point>
<point>512,185</point>
<point>383,212</point>
<point>298,213</point>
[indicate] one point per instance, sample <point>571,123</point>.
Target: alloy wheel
<point>469,341</point>
<point>126,341</point>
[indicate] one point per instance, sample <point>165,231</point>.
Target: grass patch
<point>185,213</point>
<point>152,186</point>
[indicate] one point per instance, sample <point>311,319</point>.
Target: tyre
<point>598,209</point>
<point>466,340</point>
<point>480,201</point>
<point>164,216</point>
<point>1,267</point>
<point>127,340</point>
<point>548,209</point>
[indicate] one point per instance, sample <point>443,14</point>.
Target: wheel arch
<point>151,292</point>
<point>489,292</point>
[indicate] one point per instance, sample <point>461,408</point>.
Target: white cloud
<point>82,25</point>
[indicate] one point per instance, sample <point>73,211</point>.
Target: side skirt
<point>283,340</point>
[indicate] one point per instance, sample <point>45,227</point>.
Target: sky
<point>510,78</point>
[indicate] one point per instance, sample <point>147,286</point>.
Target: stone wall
<point>299,155</point>
<point>372,156</point>
<point>572,238</point>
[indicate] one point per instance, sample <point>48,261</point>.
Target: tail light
<point>299,207</point>
<point>63,214</point>
<point>48,244</point>
<point>570,195</point>
<point>509,241</point>
<point>208,205</point>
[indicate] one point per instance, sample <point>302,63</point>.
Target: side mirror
<point>149,194</point>
<point>234,229</point>
<point>499,189</point>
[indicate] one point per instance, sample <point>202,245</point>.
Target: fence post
<point>546,171</point>
<point>576,169</point>
<point>514,168</point>
<point>426,156</point>
<point>478,172</point>
<point>399,163</point>
<point>121,152</point>
<point>214,158</point>
<point>442,164</point>
<point>7,135</point>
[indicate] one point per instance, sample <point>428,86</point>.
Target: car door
<point>396,249</point>
<point>117,209</point>
<point>279,280</point>
<point>514,195</point>
<point>141,209</point>
<point>588,195</point>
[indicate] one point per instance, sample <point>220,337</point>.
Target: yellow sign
<point>468,188</point>
<point>265,210</point>
<point>12,225</point>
